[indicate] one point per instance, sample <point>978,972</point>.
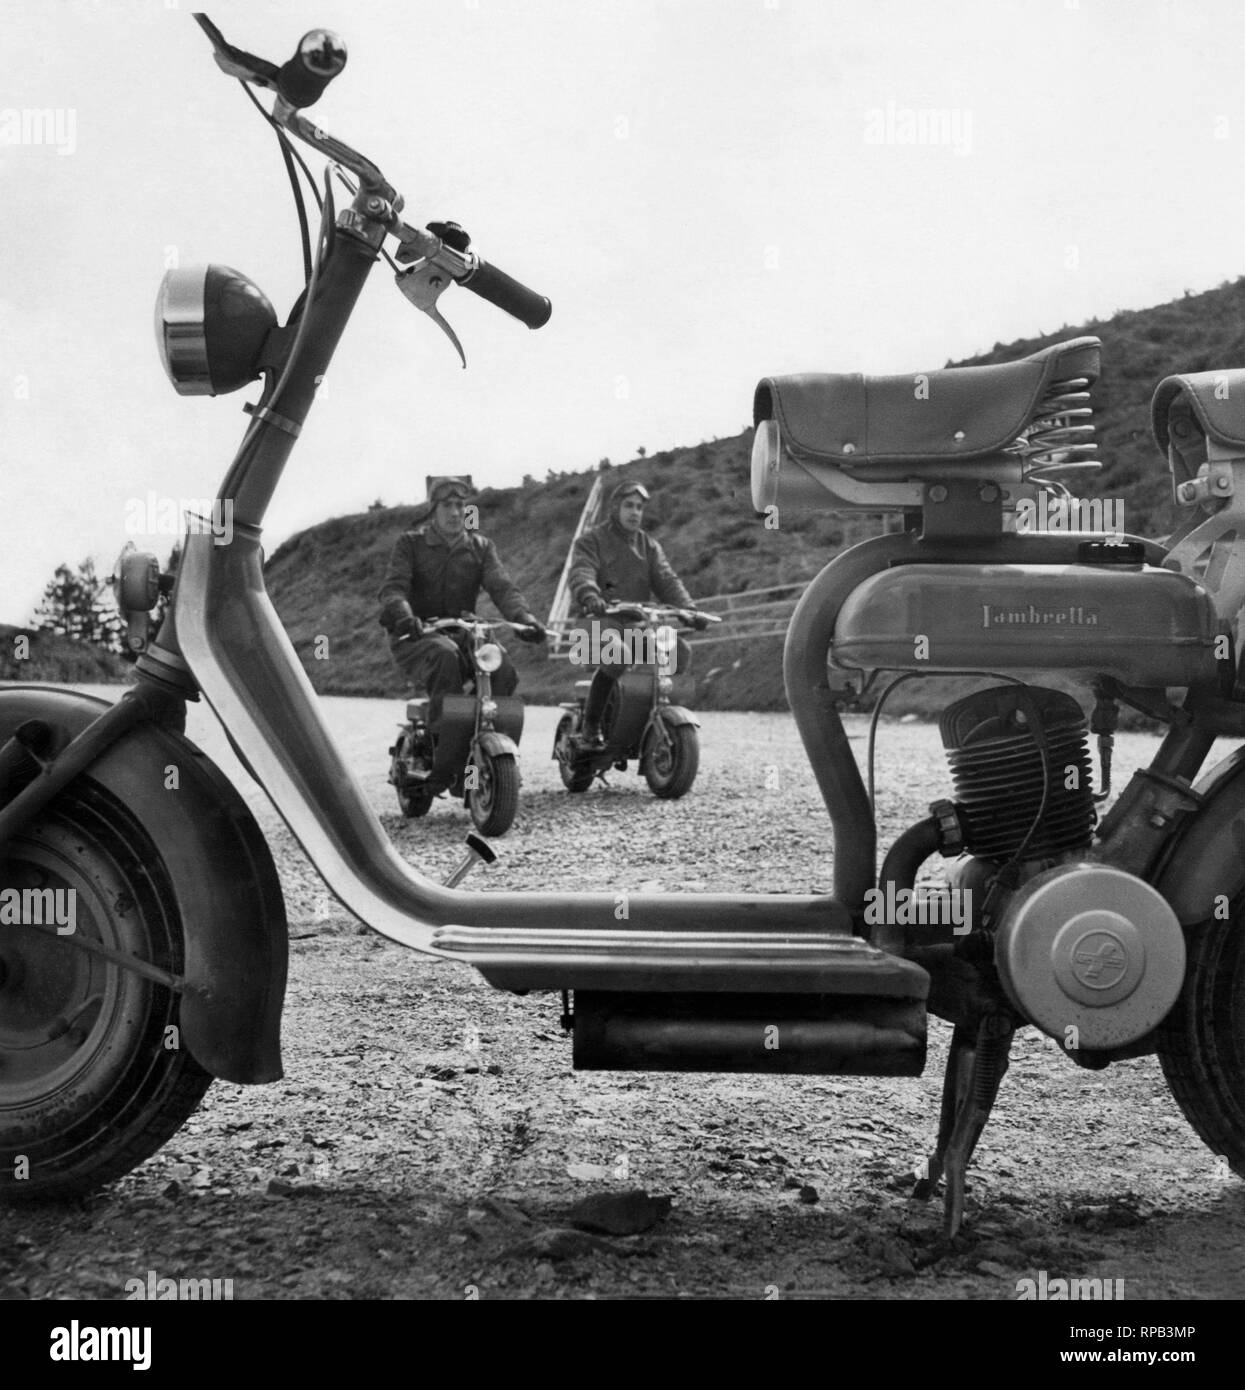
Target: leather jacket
<point>430,577</point>
<point>622,568</point>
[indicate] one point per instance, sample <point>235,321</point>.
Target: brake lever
<point>236,62</point>
<point>425,281</point>
<point>423,285</point>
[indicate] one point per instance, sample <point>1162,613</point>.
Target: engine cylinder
<point>999,777</point>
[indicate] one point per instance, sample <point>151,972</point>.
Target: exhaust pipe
<point>785,1034</point>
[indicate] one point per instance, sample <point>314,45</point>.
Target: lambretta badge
<point>1099,959</point>
<point>1069,615</point>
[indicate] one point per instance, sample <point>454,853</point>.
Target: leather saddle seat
<point>924,418</point>
<point>1196,411</point>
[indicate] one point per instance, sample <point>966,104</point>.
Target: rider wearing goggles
<point>437,570</point>
<point>619,562</point>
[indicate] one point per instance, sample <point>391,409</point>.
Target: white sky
<point>697,184</point>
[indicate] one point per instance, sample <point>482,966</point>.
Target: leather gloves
<point>535,631</point>
<point>593,605</point>
<point>408,627</point>
<point>700,621</point>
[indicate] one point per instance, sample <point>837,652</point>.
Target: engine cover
<point>1091,948</point>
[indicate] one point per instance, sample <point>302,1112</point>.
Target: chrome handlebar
<point>478,626</point>
<point>431,263</point>
<point>658,615</point>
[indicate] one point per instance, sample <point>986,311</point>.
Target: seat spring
<point>1058,437</point>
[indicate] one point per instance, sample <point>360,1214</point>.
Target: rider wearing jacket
<point>437,570</point>
<point>619,562</point>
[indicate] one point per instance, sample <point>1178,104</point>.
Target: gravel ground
<point>430,1139</point>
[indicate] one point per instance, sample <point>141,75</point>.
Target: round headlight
<point>488,658</point>
<point>666,641</point>
<point>211,325</point>
<point>766,464</point>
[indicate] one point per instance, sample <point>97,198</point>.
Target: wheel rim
<point>410,756</point>
<point>482,797</point>
<point>562,747</point>
<point>660,752</point>
<point>61,1008</point>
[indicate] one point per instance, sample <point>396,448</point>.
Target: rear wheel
<point>93,1074</point>
<point>495,799</point>
<point>575,776</point>
<point>670,758</point>
<point>1201,1043</point>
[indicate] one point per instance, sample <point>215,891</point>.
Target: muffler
<point>792,1034</point>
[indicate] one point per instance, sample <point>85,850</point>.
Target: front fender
<point>223,878</point>
<point>493,744</point>
<point>676,714</point>
<point>1206,861</point>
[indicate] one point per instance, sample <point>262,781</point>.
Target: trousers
<point>604,680</point>
<point>439,666</point>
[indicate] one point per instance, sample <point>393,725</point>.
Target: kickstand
<point>975,1070</point>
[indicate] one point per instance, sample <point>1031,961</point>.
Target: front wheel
<point>94,1077</point>
<point>1201,1042</point>
<point>494,800</point>
<point>411,754</point>
<point>670,758</point>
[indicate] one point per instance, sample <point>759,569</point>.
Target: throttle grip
<point>499,288</point>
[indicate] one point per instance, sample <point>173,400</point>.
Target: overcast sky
<point>708,190</point>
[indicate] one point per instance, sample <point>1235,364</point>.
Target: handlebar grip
<point>498,288</point>
<point>317,60</point>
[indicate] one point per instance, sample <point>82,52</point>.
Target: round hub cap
<point>1098,958</point>
<point>1089,952</point>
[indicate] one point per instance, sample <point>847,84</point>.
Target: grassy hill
<point>53,658</point>
<point>324,580</point>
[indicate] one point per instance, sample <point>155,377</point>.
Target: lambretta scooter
<point>473,742</point>
<point>637,719</point>
<point>1115,940</point>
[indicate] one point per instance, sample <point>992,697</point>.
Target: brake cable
<point>289,155</point>
<point>324,244</point>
